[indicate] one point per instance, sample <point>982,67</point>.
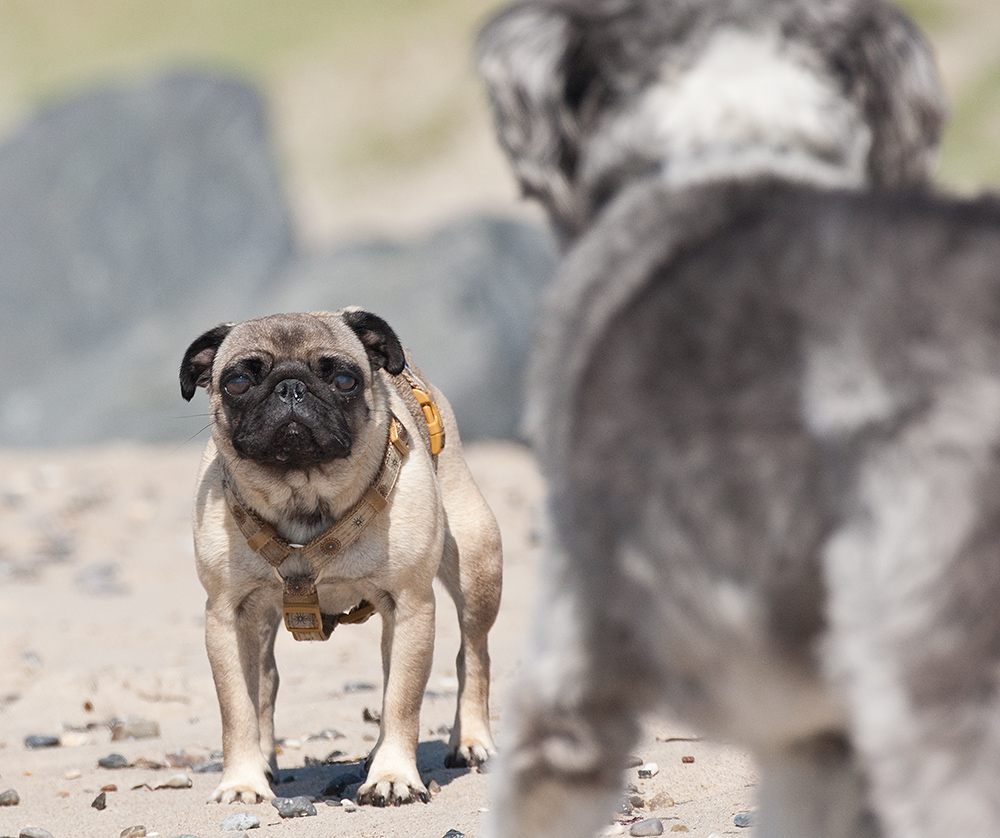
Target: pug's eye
<point>237,385</point>
<point>345,382</point>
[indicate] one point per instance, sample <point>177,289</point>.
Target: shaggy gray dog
<point>767,399</point>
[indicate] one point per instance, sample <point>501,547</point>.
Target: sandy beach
<point>102,622</point>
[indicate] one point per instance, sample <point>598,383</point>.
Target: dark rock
<point>113,761</point>
<point>40,741</point>
<point>371,716</point>
<point>745,819</point>
<point>453,833</point>
<point>294,807</point>
<point>100,802</point>
<point>9,798</point>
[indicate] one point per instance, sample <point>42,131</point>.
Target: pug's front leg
<point>407,649</point>
<point>233,637</point>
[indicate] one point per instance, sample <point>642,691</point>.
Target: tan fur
<point>436,524</point>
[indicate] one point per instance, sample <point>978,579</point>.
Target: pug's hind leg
<point>233,637</point>
<point>471,572</point>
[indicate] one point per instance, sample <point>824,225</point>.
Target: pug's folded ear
<point>196,368</point>
<point>378,338</point>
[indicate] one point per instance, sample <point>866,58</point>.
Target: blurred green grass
<point>50,49</point>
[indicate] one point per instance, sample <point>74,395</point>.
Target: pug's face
<point>292,391</point>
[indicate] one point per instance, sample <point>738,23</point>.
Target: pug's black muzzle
<point>292,427</point>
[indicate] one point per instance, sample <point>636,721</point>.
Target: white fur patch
<point>843,391</point>
<point>751,105</point>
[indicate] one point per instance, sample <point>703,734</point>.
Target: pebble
<point>633,761</point>
<point>239,821</point>
<point>687,760</point>
<point>34,832</point>
<point>113,761</point>
<point>294,807</point>
<point>649,826</point>
<point>662,800</point>
<point>679,827</point>
<point>178,781</point>
<point>75,774</point>
<point>9,798</point>
<point>134,727</point>
<point>433,787</point>
<point>453,833</point>
<point>75,739</point>
<point>371,716</point>
<point>37,740</point>
<point>650,769</point>
<point>614,829</point>
<point>348,805</point>
<point>134,832</point>
<point>109,787</point>
<point>100,802</point>
<point>744,819</point>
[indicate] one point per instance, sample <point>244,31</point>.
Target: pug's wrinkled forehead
<point>292,337</point>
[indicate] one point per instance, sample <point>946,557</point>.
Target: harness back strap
<point>417,396</point>
<point>301,601</point>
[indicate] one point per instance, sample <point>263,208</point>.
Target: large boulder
<point>133,219</point>
<point>119,209</point>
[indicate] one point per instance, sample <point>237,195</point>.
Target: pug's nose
<point>290,391</point>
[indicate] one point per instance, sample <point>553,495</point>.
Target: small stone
<point>650,769</point>
<point>294,807</point>
<point>453,833</point>
<point>240,821</point>
<point>134,727</point>
<point>34,832</point>
<point>633,761</point>
<point>37,740</point>
<point>687,760</point>
<point>636,802</point>
<point>745,819</point>
<point>647,827</point>
<point>614,829</point>
<point>662,800</point>
<point>371,716</point>
<point>134,832</point>
<point>74,774</point>
<point>100,802</point>
<point>9,798</point>
<point>109,787</point>
<point>113,761</point>
<point>679,827</point>
<point>348,805</point>
<point>433,787</point>
<point>75,739</point>
<point>359,687</point>
<point>178,781</point>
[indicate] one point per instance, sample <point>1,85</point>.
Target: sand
<point>102,619</point>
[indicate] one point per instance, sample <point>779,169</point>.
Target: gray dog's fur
<point>767,400</point>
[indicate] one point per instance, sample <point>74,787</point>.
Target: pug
<point>766,396</point>
<point>334,487</point>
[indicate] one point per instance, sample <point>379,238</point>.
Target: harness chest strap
<point>302,614</point>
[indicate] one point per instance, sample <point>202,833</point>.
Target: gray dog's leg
<point>572,723</point>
